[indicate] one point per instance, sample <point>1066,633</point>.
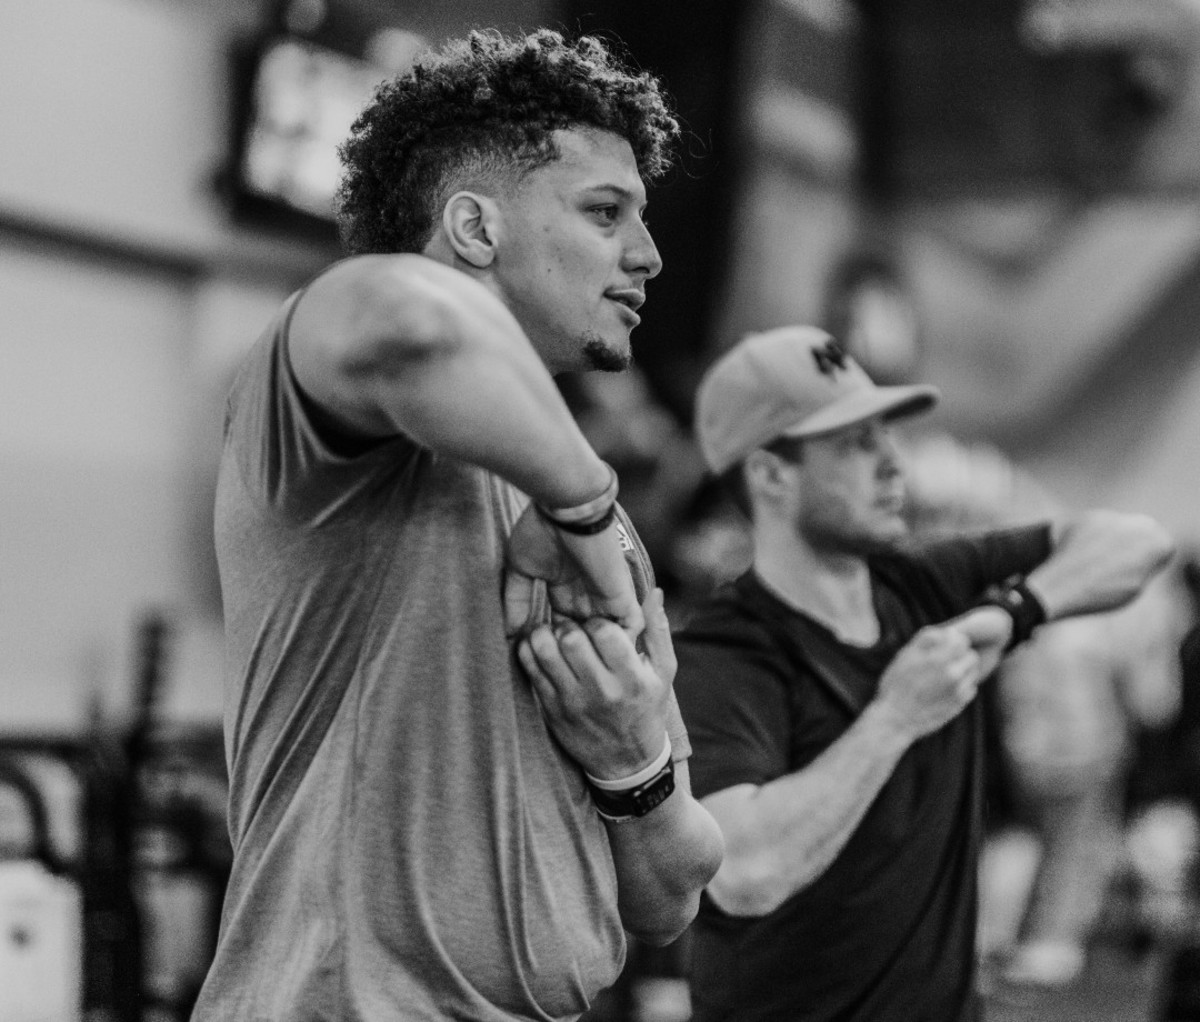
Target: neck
<point>832,588</point>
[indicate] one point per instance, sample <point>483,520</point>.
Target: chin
<point>861,542</point>
<point>893,535</point>
<point>605,357</point>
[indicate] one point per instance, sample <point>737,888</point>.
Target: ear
<point>470,223</point>
<point>767,477</point>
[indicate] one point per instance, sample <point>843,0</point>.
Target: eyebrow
<point>619,191</point>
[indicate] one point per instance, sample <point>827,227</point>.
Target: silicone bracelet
<point>641,777</point>
<point>582,528</point>
<point>587,513</point>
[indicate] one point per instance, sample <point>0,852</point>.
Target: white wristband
<point>641,777</point>
<point>590,510</point>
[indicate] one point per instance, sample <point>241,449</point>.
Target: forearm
<point>1101,560</point>
<point>783,835</point>
<point>489,404</point>
<point>663,860</point>
<point>404,344</point>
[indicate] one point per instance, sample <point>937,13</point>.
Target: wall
<point>126,296</point>
<point>1060,327</point>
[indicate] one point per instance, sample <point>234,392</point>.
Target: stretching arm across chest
<point>781,835</point>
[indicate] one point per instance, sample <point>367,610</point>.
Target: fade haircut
<point>484,109</point>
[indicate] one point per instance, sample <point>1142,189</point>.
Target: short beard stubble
<point>599,356</point>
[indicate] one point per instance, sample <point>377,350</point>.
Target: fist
<point>931,680</point>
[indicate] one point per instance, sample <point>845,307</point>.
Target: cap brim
<point>889,402</point>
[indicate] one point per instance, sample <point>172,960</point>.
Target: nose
<point>641,254</point>
<point>889,454</point>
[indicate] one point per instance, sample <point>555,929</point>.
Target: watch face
<point>655,793</point>
<point>619,806</point>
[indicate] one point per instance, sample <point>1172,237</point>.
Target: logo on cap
<point>829,357</point>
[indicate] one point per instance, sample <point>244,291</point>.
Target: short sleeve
<point>734,701</point>
<point>966,566</point>
<point>288,458</point>
<point>681,745</point>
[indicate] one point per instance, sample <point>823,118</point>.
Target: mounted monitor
<point>296,95</point>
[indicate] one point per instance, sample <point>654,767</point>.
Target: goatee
<point>607,360</point>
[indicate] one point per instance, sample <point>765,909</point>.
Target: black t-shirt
<point>887,933</point>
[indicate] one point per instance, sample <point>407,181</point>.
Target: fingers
<point>568,659</point>
<point>612,644</point>
<point>542,656</point>
<point>633,624</point>
<point>984,626</point>
<point>578,576</point>
<point>964,674</point>
<point>657,636</point>
<point>945,652</point>
<point>525,602</point>
<point>599,654</point>
<point>518,598</point>
<point>619,650</point>
<point>960,661</point>
<point>939,641</point>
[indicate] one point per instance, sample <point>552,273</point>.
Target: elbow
<point>667,926</point>
<point>664,918</point>
<point>672,913</point>
<point>704,862</point>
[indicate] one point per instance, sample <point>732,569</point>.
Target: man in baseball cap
<point>829,695</point>
<point>791,382</point>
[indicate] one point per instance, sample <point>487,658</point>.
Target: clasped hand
<point>584,577</point>
<point>605,702</point>
<point>938,672</point>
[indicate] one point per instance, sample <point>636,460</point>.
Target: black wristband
<point>591,516</point>
<point>1025,609</point>
<point>621,806</point>
<point>580,528</point>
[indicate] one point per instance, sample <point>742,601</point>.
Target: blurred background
<point>997,196</point>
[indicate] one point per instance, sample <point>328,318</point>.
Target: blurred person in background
<point>1086,841</point>
<point>424,827</point>
<point>1163,836</point>
<point>830,695</point>
<point>1070,704</point>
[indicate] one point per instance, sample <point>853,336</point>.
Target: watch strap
<point>633,803</point>
<point>1025,609</point>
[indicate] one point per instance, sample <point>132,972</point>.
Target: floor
<point>1119,985</point>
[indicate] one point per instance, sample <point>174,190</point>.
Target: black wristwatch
<point>632,803</point>
<point>1025,609</point>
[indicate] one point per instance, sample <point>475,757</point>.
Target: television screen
<point>303,98</point>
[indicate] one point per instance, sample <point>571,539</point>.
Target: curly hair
<point>486,105</point>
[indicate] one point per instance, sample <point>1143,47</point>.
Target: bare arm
<point>404,344</point>
<point>607,705</point>
<point>782,835</point>
<point>1100,561</point>
<point>663,862</point>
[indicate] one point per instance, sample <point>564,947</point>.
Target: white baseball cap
<point>792,381</point>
